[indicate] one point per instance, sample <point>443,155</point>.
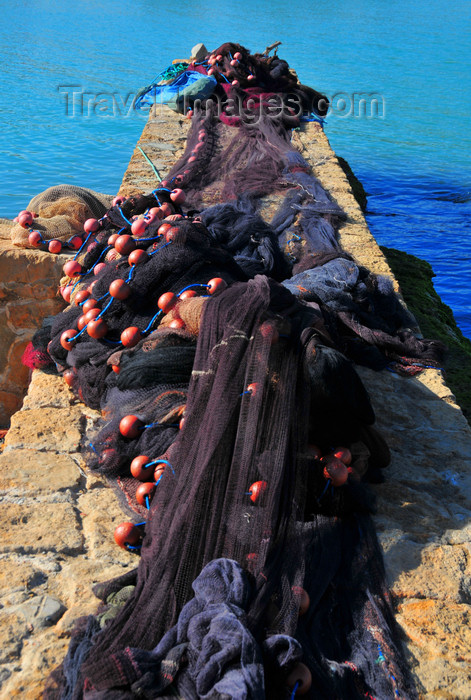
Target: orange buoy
<point>301,677</point>
<point>130,336</point>
<point>257,490</point>
<point>127,533</point>
<point>129,426</point>
<point>139,470</point>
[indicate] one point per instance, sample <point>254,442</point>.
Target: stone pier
<point>57,519</point>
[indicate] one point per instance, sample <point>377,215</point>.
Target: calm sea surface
<point>412,155</point>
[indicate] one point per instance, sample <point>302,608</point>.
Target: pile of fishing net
<point>58,214</point>
<point>236,430</point>
<point>239,82</point>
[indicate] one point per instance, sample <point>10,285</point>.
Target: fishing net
<point>236,432</point>
<point>62,211</point>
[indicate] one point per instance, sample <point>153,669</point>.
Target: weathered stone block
<point>102,514</point>
<point>30,472</point>
<point>438,628</point>
<point>41,654</point>
<point>18,575</point>
<point>73,583</point>
<point>53,430</point>
<point>23,314</point>
<point>40,611</point>
<point>69,619</point>
<point>412,571</point>
<point>26,267</point>
<point>12,632</point>
<point>39,527</point>
<point>48,390</point>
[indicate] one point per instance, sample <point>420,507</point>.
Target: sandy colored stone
<point>94,480</point>
<point>163,141</point>
<point>28,293</point>
<point>17,575</point>
<point>48,390</point>
<point>461,535</point>
<point>39,527</point>
<point>30,473</point>
<point>21,268</point>
<point>412,571</point>
<point>54,430</point>
<point>417,512</point>
<point>354,234</point>
<point>436,678</point>
<point>101,515</point>
<point>73,583</point>
<point>13,630</point>
<point>69,619</point>
<point>438,627</point>
<point>16,374</point>
<point>23,314</point>
<point>41,654</point>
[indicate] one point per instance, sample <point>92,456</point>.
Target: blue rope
<point>103,252</point>
<point>190,286</point>
<point>84,274</point>
<point>76,283</point>
<point>156,172</point>
<point>157,249</point>
<point>152,238</point>
<point>121,212</point>
<point>324,491</point>
<point>79,333</point>
<point>133,548</point>
<point>82,246</point>
<point>105,309</point>
<point>154,318</point>
<point>161,461</point>
<point>313,118</point>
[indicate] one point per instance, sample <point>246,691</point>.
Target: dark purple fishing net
<point>244,516</point>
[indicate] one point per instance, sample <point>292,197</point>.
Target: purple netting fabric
<point>291,538</point>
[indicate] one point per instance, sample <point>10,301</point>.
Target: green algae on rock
<point>435,319</point>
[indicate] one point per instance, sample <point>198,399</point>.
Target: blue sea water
<point>412,156</point>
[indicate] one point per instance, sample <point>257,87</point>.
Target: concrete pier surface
<point>57,518</point>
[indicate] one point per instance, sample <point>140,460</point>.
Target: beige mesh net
<point>62,210</point>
